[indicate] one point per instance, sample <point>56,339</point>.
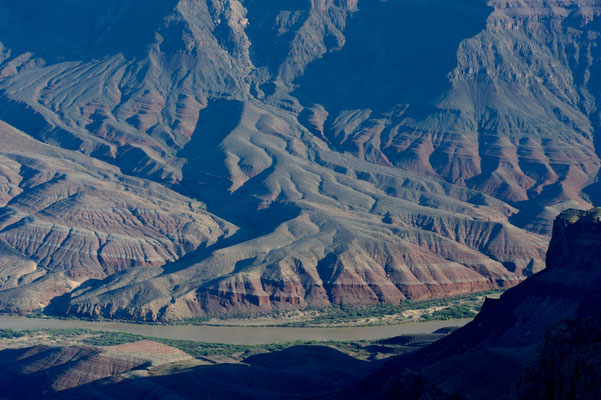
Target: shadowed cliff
<point>515,338</point>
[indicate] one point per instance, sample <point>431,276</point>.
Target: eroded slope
<point>380,188</point>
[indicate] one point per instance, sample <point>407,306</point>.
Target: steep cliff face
<point>575,242</point>
<point>541,334</point>
<point>512,113</point>
<point>433,170</point>
<point>569,364</point>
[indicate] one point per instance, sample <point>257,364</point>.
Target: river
<point>235,334</point>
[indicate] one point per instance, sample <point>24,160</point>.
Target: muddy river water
<point>235,334</point>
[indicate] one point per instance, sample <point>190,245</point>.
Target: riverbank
<point>457,307</point>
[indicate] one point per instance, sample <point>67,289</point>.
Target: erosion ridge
<point>313,197</point>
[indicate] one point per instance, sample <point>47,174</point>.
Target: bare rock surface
<point>75,372</point>
<point>537,341</point>
<point>569,364</point>
<point>40,371</point>
<point>75,219</point>
<point>172,159</point>
<point>540,340</point>
<point>156,353</point>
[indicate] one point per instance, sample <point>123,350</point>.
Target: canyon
<point>172,159</point>
<point>539,340</point>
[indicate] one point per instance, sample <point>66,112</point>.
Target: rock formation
<point>76,372</point>
<point>172,159</point>
<point>540,340</point>
<point>569,364</point>
<point>41,371</point>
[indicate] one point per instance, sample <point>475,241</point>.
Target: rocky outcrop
<point>542,334</point>
<point>296,372</point>
<point>575,242</point>
<point>569,364</point>
<point>42,371</point>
